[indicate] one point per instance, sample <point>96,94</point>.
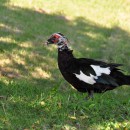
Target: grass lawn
<point>33,94</point>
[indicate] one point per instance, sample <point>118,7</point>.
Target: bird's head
<point>59,39</point>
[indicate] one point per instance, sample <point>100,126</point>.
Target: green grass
<point>34,95</point>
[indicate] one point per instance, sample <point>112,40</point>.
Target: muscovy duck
<point>86,75</point>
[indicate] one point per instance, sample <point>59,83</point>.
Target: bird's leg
<point>90,95</point>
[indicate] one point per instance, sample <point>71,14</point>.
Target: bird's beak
<point>47,43</point>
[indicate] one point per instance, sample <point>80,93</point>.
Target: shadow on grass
<point>24,57</point>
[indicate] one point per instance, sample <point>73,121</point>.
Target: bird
<point>84,74</point>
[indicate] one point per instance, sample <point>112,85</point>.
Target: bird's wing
<point>106,79</point>
<point>91,71</point>
<point>99,63</point>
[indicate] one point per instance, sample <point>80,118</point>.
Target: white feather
<point>91,79</point>
<point>85,78</point>
<point>99,70</point>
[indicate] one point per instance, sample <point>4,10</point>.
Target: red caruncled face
<point>54,39</point>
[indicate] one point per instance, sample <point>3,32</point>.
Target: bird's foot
<point>90,96</point>
<point>3,97</point>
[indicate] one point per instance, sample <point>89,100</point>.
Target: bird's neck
<point>63,47</point>
<point>65,54</point>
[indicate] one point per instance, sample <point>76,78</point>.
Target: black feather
<point>106,79</point>
<point>69,65</point>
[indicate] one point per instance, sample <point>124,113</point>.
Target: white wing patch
<point>91,79</point>
<point>99,70</point>
<point>85,78</point>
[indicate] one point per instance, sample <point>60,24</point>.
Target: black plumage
<point>87,75</point>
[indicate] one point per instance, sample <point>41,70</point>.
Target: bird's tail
<point>121,78</point>
<point>126,80</point>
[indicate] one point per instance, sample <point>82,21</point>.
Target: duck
<point>84,74</point>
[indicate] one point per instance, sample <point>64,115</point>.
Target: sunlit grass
<point>33,94</point>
